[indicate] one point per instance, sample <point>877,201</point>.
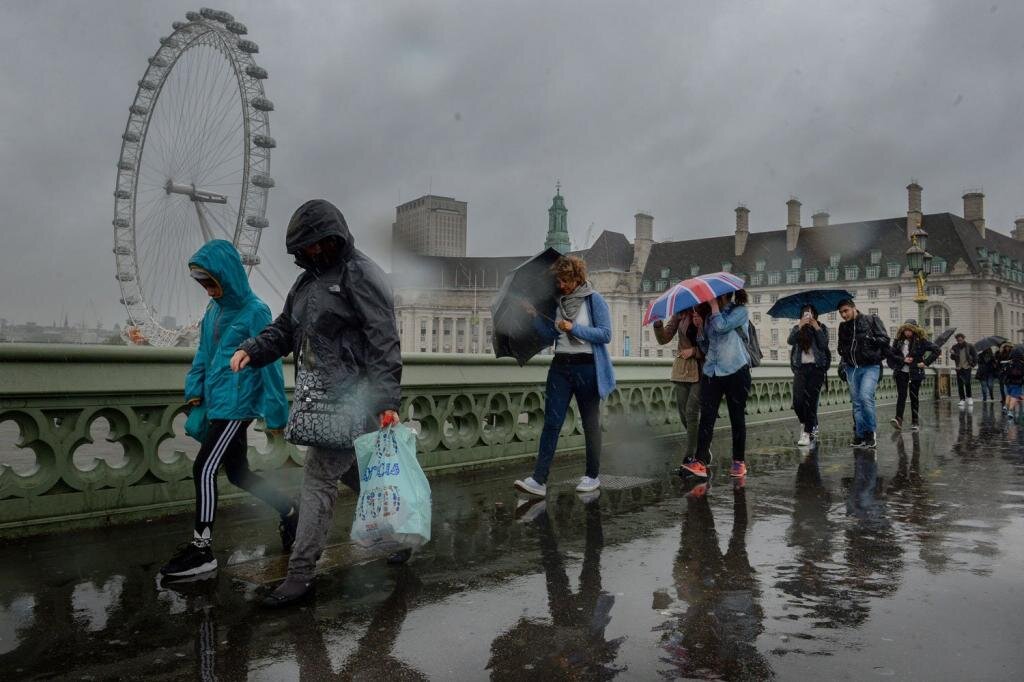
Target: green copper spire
<point>558,225</point>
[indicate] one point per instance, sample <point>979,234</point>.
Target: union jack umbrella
<point>690,293</point>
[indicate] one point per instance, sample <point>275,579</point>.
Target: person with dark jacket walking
<point>339,321</point>
<point>863,343</point>
<point>809,358</point>
<point>1002,361</point>
<point>965,359</point>
<point>911,352</point>
<point>224,405</point>
<point>988,371</point>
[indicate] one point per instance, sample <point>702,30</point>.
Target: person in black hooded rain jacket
<point>339,316</point>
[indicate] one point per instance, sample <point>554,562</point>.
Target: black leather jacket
<point>342,317</point>
<point>863,341</point>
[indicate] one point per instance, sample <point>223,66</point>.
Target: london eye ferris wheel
<point>194,166</point>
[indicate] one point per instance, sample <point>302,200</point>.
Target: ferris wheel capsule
<point>121,222</point>
<point>261,103</point>
<point>256,71</point>
<point>125,165</point>
<point>170,42</point>
<point>158,61</point>
<point>236,27</point>
<point>139,109</point>
<point>264,181</point>
<point>257,221</point>
<point>193,16</point>
<point>131,136</point>
<point>122,194</point>
<point>248,46</point>
<point>264,141</point>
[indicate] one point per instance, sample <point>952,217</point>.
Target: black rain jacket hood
<point>340,316</point>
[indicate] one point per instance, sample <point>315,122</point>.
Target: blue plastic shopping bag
<point>394,495</point>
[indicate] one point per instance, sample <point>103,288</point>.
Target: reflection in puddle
<point>92,605</point>
<point>18,615</point>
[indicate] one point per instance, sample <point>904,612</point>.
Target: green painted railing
<point>93,434</point>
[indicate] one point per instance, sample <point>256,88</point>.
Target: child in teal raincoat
<point>225,403</point>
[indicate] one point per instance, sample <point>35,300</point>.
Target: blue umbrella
<point>823,300</point>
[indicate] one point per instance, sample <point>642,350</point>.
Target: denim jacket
<point>723,347</point>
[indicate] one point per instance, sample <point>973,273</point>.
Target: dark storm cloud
<point>678,109</point>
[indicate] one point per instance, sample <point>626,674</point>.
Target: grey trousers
<point>323,470</point>
<point>688,404</point>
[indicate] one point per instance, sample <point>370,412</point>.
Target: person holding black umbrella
<point>582,367</point>
<point>809,359</point>
<point>965,359</point>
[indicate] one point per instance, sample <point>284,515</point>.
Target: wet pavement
<point>829,564</point>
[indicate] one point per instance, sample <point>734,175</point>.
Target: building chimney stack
<point>643,241</point>
<point>913,208</point>
<point>742,229</point>
<point>974,210</point>
<point>1018,232</point>
<point>793,226</point>
<point>820,219</point>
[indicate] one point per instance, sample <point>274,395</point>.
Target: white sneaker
<point>529,509</point>
<point>970,401</point>
<point>587,498</point>
<point>588,484</point>
<point>805,439</point>
<point>531,486</point>
<point>961,403</point>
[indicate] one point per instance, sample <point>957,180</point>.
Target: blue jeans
<point>863,381</point>
<point>987,387</point>
<point>565,381</point>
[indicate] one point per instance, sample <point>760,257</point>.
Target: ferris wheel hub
<point>195,194</point>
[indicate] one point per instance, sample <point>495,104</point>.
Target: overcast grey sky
<point>680,109</point>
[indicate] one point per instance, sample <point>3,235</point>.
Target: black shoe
<point>870,441</point>
<point>857,442</point>
<point>915,427</point>
<point>897,423</point>
<point>287,593</point>
<point>287,528</point>
<point>190,559</point>
<point>400,557</point>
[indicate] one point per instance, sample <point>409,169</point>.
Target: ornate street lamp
<point>919,262</point>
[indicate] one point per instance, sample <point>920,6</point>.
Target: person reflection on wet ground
<point>913,503</point>
<point>200,599</point>
<point>573,644</point>
<point>873,555</point>
<point>716,635</point>
<point>965,440</point>
<point>371,658</point>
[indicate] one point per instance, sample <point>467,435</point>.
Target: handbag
<point>325,415</point>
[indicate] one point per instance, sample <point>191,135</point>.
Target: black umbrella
<point>532,284</point>
<point>988,342</point>
<point>945,336</point>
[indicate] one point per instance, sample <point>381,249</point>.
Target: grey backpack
<point>751,343</point>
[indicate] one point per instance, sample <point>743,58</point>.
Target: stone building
<point>431,226</point>
<point>976,284</point>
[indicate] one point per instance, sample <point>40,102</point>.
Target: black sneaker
<point>400,557</point>
<point>870,441</point>
<point>915,427</point>
<point>857,442</point>
<point>190,559</point>
<point>897,423</point>
<point>287,528</point>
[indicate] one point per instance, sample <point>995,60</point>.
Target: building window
<point>665,272</point>
<point>694,270</point>
<point>775,337</point>
<point>872,311</point>
<point>939,265</point>
<point>876,256</point>
<point>796,263</point>
<point>894,314</point>
<point>831,274</point>
<point>936,318</point>
<point>757,318</point>
<point>851,272</point>
<point>662,284</point>
<point>873,271</point>
<point>894,269</point>
<point>648,285</point>
<point>894,292</point>
<point>792,276</point>
<point>833,261</point>
<point>832,316</point>
<point>774,277</point>
<point>872,293</point>
<point>757,298</point>
<point>773,354</point>
<point>757,279</point>
<point>772,298</point>
<point>726,266</point>
<point>936,291</point>
<point>661,353</point>
<point>811,275</point>
<point>759,265</point>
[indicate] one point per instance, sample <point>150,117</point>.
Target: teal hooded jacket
<point>229,320</point>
